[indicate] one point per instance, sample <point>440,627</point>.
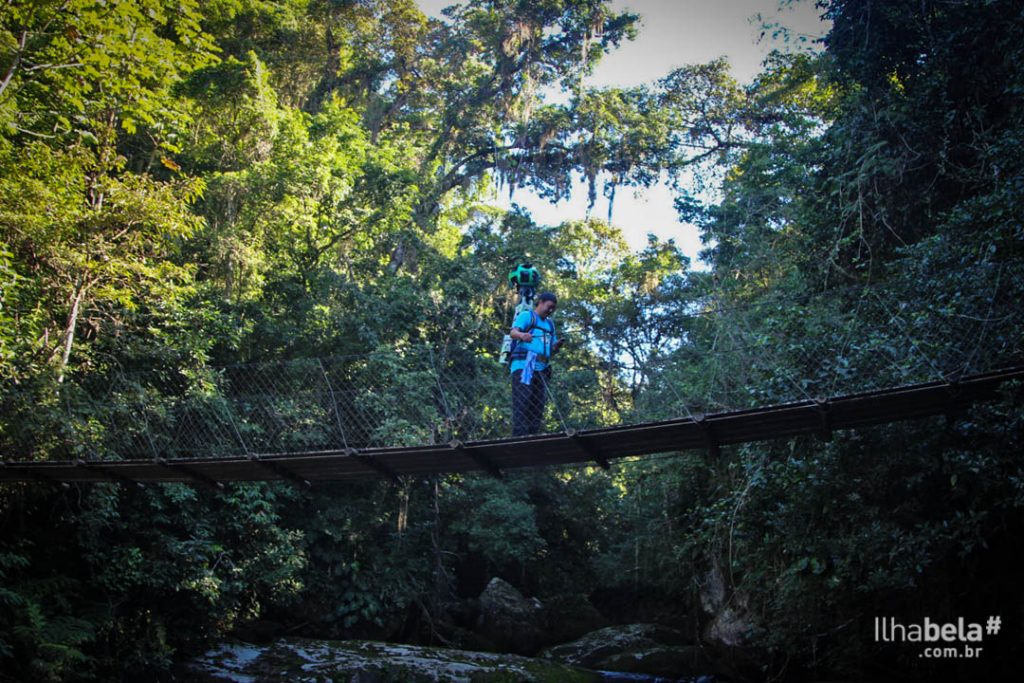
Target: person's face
<point>546,308</point>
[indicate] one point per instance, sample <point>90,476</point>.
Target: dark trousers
<point>528,402</point>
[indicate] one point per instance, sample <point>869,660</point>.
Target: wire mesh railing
<point>840,342</point>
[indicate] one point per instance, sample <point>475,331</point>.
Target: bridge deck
<point>597,445</point>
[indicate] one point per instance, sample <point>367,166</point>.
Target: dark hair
<point>547,296</point>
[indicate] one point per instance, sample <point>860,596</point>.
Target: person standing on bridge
<point>535,342</point>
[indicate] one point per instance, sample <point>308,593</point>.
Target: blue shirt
<point>544,339</point>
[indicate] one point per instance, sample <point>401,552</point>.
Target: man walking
<point>535,343</point>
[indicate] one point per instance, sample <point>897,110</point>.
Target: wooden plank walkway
<point>598,445</point>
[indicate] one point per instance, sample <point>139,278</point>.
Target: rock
<point>731,620</point>
<point>728,627</point>
<point>593,650</point>
<point>356,661</point>
<point>728,632</point>
<point>568,617</point>
<point>508,619</point>
<point>670,661</point>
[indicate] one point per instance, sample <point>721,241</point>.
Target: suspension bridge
<point>774,369</point>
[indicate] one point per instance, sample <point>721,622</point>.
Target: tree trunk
<point>15,63</point>
<point>442,586</point>
<point>69,328</point>
<point>403,508</point>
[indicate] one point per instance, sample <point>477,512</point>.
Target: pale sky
<point>673,33</point>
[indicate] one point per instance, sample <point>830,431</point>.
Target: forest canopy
<point>191,185</point>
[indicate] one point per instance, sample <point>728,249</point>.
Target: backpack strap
<point>518,353</point>
<point>552,323</point>
<point>533,322</point>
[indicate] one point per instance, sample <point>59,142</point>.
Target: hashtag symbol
<point>992,625</point>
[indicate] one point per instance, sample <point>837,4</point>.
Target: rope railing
<point>838,343</point>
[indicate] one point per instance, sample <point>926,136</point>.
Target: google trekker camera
<point>525,279</point>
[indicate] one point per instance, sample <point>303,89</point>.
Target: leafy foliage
<point>187,185</point>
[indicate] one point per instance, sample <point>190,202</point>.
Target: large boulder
<point>635,648</point>
<point>730,626</point>
<point>731,621</point>
<point>510,620</point>
<point>569,617</point>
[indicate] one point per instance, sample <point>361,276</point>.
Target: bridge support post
<point>587,448</point>
<point>195,476</point>
<point>373,463</point>
<point>281,471</point>
<point>955,407</point>
<point>824,408</point>
<point>478,458</point>
<point>701,420</point>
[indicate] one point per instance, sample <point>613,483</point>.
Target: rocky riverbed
<point>361,661</point>
<point>504,636</point>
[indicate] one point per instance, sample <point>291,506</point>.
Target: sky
<point>673,33</point>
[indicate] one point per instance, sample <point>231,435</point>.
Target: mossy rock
<point>510,620</point>
<point>596,647</point>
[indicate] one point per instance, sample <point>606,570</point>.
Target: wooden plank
<point>108,473</point>
<point>29,472</point>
